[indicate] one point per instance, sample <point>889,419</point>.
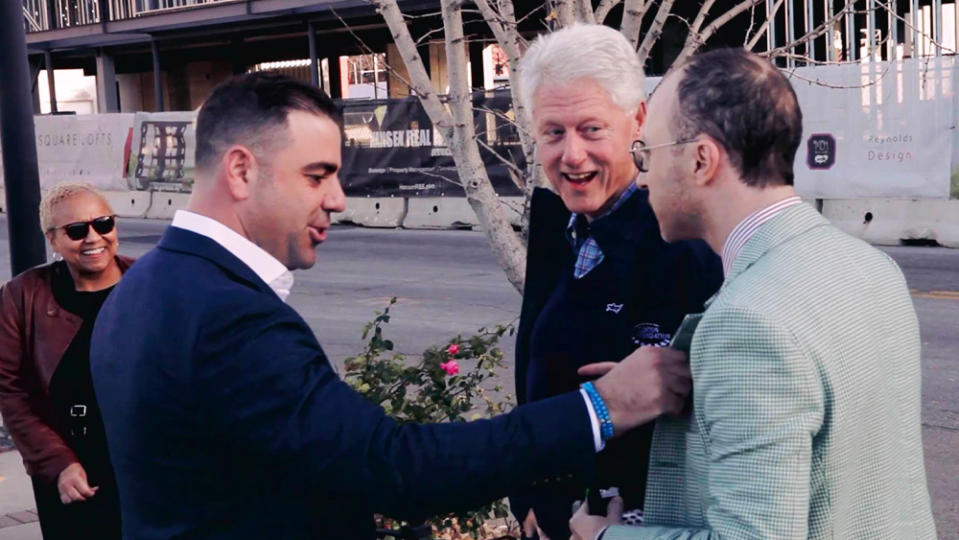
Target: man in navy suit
<point>224,418</point>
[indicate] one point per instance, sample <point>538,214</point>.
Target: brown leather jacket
<point>34,334</point>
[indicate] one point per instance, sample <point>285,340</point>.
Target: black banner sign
<point>391,149</point>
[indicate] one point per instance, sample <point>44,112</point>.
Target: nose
<point>574,150</point>
<point>335,200</point>
<point>92,234</point>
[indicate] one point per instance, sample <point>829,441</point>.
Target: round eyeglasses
<point>640,151</point>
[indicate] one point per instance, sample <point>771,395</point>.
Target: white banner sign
<point>83,148</point>
<point>884,129</point>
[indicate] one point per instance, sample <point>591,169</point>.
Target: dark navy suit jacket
<point>225,420</point>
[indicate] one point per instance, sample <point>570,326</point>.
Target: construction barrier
<point>373,212</point>
<point>895,221</point>
<point>454,213</point>
<point>439,213</point>
<point>164,204</point>
<point>129,204</point>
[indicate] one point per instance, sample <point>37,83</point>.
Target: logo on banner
<point>820,151</point>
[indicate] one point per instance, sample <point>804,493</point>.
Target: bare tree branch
<point>872,82</point>
<point>910,27</point>
<point>765,26</point>
<point>633,13</point>
<point>368,50</point>
<point>697,38</point>
<point>507,247</point>
<point>514,45</point>
<point>509,164</point>
<point>420,84</point>
<point>584,11</point>
<point>563,11</point>
<point>752,23</point>
<point>603,9</point>
<point>809,36</point>
<point>655,30</point>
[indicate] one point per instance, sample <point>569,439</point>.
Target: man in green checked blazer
<point>805,419</point>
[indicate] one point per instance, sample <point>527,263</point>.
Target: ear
<point>708,154</point>
<point>240,169</point>
<point>640,119</point>
<point>51,238</point>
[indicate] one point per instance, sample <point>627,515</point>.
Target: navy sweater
<point>637,296</point>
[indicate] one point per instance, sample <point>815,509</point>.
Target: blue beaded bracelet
<point>605,423</point>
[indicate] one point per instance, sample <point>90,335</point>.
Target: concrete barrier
<point>891,221</point>
<point>164,204</point>
<point>373,212</point>
<point>454,213</point>
<point>129,204</point>
<point>439,213</point>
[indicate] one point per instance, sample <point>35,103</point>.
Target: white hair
<point>584,51</point>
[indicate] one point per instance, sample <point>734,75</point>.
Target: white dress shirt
<point>264,265</point>
<point>744,230</point>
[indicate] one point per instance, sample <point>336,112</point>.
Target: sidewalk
<point>18,518</point>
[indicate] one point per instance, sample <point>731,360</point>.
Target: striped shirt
<point>741,234</point>
<point>588,252</point>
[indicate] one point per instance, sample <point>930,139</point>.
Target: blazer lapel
<point>191,243</point>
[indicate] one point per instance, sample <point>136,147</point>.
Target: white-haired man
<point>600,280</point>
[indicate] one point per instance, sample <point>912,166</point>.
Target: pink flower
<point>453,349</point>
<point>451,367</point>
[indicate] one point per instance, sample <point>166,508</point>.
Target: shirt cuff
<point>598,442</point>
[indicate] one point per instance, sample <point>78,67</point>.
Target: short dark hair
<point>746,104</point>
<point>248,109</point>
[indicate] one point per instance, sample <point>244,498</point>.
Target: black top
<point>76,414</point>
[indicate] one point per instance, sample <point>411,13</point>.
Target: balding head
<point>746,104</point>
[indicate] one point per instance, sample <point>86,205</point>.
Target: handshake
<point>650,382</point>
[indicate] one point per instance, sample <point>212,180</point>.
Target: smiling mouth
<point>93,252</point>
<point>317,235</point>
<point>579,178</point>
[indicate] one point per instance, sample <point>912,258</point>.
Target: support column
<point>107,97</point>
<point>238,47</point>
<point>476,64</point>
<point>334,66</point>
<point>19,144</point>
<point>35,66</point>
<point>157,80</point>
<point>314,61</point>
<point>51,84</point>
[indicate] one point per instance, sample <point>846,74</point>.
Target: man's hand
<point>585,527</point>
<point>530,527</point>
<point>650,382</point>
<point>72,484</point>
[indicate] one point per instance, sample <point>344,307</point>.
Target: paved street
<point>448,283</point>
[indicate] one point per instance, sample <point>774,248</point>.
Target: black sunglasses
<point>80,229</point>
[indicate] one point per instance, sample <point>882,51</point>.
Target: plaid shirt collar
<point>588,253</point>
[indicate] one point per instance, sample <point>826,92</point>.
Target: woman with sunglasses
<point>46,392</point>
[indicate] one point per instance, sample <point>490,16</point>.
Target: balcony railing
<point>40,15</point>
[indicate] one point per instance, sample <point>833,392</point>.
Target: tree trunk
<point>509,251</point>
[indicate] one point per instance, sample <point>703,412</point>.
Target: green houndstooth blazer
<point>806,400</point>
